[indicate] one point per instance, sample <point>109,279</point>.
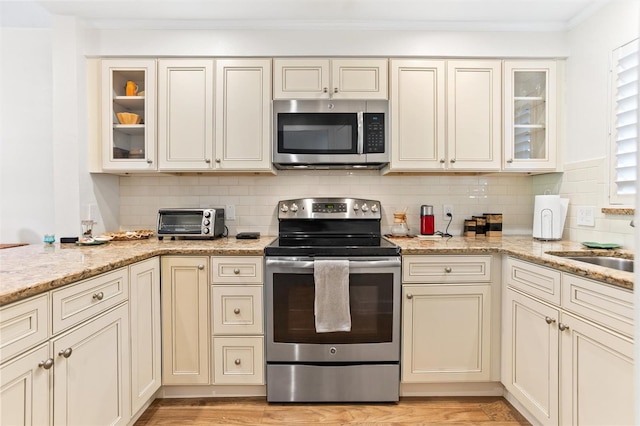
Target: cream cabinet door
<point>530,354</point>
<point>474,111</point>
<point>418,114</point>
<point>359,78</point>
<point>446,333</point>
<point>144,307</point>
<point>243,114</point>
<point>91,368</point>
<point>185,320</point>
<point>597,375</point>
<point>24,389</point>
<point>301,78</point>
<point>185,114</point>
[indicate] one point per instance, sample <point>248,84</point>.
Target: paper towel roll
<point>549,214</point>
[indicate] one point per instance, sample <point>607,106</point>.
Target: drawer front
<point>607,305</point>
<point>535,280</point>
<point>236,270</point>
<point>238,361</point>
<point>443,269</point>
<point>236,309</point>
<point>79,302</point>
<point>22,325</point>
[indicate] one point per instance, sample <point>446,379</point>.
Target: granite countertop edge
<point>33,269</point>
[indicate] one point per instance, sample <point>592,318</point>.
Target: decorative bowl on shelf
<point>128,118</point>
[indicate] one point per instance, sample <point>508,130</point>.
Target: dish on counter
<point>129,235</point>
<point>590,244</point>
<point>104,238</point>
<point>90,242</point>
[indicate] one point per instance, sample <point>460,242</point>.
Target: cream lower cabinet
<point>446,319</point>
<point>237,320</point>
<point>569,363</point>
<point>185,320</point>
<point>144,309</point>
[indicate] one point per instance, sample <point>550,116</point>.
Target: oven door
<point>374,296</point>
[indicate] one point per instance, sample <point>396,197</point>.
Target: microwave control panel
<point>373,133</point>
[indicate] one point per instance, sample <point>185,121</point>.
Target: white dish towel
<point>331,305</point>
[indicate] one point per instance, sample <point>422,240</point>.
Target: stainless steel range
<point>332,304</point>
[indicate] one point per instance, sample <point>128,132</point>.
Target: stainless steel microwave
<point>330,134</point>
<point>197,223</point>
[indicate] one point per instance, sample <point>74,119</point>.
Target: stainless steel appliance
<point>197,223</point>
<point>362,364</point>
<point>330,134</point>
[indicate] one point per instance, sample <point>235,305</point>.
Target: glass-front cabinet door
<point>530,141</point>
<point>128,114</point>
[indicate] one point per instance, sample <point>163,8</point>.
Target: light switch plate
<point>230,212</point>
<point>586,216</point>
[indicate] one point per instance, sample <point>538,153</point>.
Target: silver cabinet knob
<point>201,267</point>
<point>236,271</point>
<point>447,269</point>
<point>149,161</point>
<point>510,160</point>
<point>46,364</point>
<point>325,90</point>
<point>66,353</point>
<point>409,296</point>
<point>563,327</point>
<point>98,296</point>
<point>549,320</point>
<point>453,160</point>
<point>207,160</point>
<point>236,311</point>
<point>237,361</point>
<point>442,160</point>
<point>218,160</point>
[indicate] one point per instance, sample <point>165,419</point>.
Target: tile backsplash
<point>255,197</point>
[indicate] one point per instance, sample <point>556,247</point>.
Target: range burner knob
<point>294,207</point>
<point>355,207</point>
<point>284,208</point>
<point>365,207</point>
<point>374,208</point>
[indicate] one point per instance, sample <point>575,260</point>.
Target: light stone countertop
<point>29,270</point>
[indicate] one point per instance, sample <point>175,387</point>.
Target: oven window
<point>317,133</point>
<point>181,222</point>
<point>370,301</point>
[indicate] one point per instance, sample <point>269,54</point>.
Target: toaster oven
<point>196,223</point>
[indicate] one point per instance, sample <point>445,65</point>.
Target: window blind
<point>625,128</point>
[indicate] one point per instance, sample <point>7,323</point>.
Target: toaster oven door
<point>180,222</point>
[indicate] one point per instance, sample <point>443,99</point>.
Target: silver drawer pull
<point>236,311</point>
<point>65,352</point>
<point>236,271</point>
<point>98,296</point>
<point>237,361</point>
<point>47,364</point>
<point>563,327</point>
<point>447,269</point>
<point>549,320</point>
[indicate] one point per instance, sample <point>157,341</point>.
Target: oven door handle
<point>305,264</point>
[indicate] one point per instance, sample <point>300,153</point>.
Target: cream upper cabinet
<point>323,78</point>
<point>474,114</point>
<point>243,114</point>
<point>417,103</point>
<point>185,114</point>
<point>530,121</point>
<point>128,114</point>
<point>185,320</point>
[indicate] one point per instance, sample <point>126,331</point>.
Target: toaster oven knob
<point>374,208</point>
<point>294,207</point>
<point>365,207</point>
<point>355,207</point>
<point>284,208</point>
<point>207,213</point>
<point>205,230</point>
<point>206,222</point>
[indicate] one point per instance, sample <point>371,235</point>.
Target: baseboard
<point>452,389</point>
<point>518,406</point>
<point>212,391</point>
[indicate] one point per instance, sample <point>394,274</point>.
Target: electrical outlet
<point>230,212</point>
<point>586,216</point>
<point>447,209</point>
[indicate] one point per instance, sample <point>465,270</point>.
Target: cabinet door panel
<point>24,389</point>
<point>359,78</point>
<point>301,78</point>
<point>22,325</point>
<point>418,114</point>
<point>91,385</point>
<point>185,115</point>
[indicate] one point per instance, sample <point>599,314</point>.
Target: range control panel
<point>329,208</point>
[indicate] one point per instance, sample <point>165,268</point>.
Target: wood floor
<point>464,411</point>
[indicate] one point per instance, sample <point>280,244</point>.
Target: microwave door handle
<point>360,132</point>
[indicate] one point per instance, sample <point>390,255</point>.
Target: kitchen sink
<point>606,261</point>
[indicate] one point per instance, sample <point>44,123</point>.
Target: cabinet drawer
<point>238,361</point>
<point>236,309</point>
<point>604,304</point>
<point>76,303</point>
<point>443,269</point>
<point>23,324</point>
<point>236,270</point>
<point>533,279</point>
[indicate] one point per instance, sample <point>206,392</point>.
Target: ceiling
<point>455,15</point>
